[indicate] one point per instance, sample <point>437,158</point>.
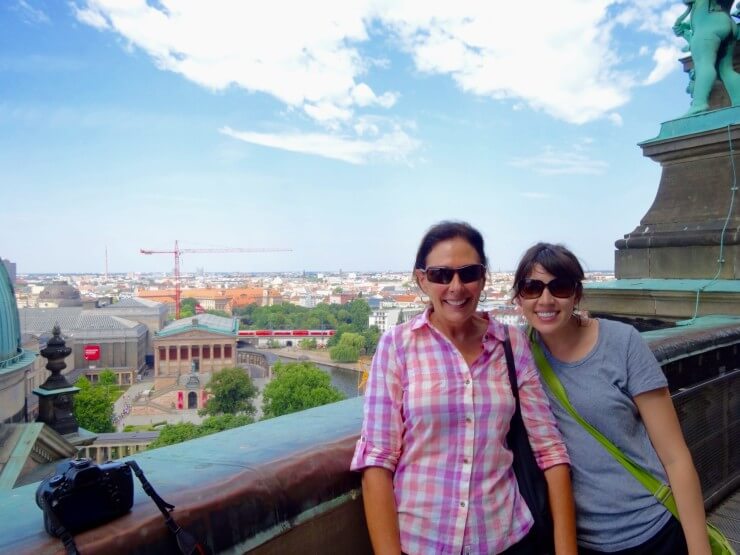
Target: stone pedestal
<point>693,215</point>
<point>56,395</point>
<point>683,259</point>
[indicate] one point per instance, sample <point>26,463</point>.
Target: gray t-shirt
<point>613,510</point>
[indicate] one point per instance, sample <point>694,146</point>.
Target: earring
<point>483,296</point>
<point>422,298</point>
<point>581,316</point>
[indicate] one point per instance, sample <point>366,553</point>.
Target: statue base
<point>664,300</point>
<point>55,409</point>
<point>694,217</point>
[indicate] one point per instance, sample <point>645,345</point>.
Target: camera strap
<point>64,535</point>
<point>186,543</point>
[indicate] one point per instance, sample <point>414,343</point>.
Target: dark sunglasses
<point>445,275</point>
<point>562,288</point>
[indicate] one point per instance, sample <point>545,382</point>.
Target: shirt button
<point>462,504</point>
<point>467,382</point>
<point>466,460</point>
<point>468,419</point>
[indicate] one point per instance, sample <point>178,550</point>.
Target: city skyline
<point>341,130</point>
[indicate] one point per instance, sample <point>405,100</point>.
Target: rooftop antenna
<point>106,262</point>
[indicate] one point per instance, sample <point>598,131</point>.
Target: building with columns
<point>186,354</point>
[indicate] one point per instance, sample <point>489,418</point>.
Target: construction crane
<point>178,252</point>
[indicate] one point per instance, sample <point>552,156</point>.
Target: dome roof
<point>62,293</point>
<point>10,329</point>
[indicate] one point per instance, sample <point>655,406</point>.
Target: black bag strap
<point>511,369</point>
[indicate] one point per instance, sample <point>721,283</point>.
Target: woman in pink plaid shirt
<point>437,476</point>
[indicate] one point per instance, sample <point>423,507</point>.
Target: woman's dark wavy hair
<point>556,259</point>
<point>444,231</point>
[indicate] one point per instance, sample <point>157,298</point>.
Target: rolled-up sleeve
<point>380,440</point>
<point>544,437</point>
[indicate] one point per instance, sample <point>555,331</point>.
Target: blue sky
<point>339,129</point>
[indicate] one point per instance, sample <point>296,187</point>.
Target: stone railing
<point>283,485</point>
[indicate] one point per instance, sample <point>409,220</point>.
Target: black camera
<point>83,495</point>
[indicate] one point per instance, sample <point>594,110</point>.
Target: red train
<point>286,333</point>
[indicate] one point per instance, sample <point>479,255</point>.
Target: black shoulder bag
<point>530,478</point>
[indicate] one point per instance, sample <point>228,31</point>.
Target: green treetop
<point>232,391</point>
<point>93,407</point>
<point>297,386</point>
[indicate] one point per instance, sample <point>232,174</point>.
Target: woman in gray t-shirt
<point>614,382</point>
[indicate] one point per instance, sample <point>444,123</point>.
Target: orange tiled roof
<point>404,298</point>
<point>237,297</point>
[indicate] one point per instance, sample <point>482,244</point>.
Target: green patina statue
<point>711,33</point>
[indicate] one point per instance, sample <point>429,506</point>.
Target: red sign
<point>92,352</point>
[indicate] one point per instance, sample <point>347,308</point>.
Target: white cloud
<point>29,13</point>
<point>394,145</point>
<point>301,53</point>
<point>535,195</point>
<point>312,56</point>
<point>559,162</point>
<point>665,58</point>
<point>567,66</point>
<point>615,118</point>
<point>91,17</point>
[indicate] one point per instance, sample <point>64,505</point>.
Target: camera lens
<point>55,480</point>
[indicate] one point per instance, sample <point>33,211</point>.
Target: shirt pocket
<point>427,394</point>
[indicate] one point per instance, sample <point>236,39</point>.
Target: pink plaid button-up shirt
<point>440,426</point>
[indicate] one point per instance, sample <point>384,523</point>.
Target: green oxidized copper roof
<point>203,322</point>
<point>697,123</point>
<point>685,285</point>
<point>12,356</point>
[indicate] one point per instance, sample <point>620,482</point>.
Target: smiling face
<point>546,313</point>
<point>453,304</point>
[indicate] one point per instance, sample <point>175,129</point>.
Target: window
<point>162,353</point>
<point>173,353</point>
<point>206,351</point>
<point>227,351</point>
<point>184,353</point>
<point>217,351</point>
<point>195,349</point>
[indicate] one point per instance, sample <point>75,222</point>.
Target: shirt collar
<point>495,328</point>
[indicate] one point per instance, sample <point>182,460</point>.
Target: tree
<point>232,391</point>
<point>184,431</point>
<point>372,336</point>
<point>297,386</point>
<point>360,311</point>
<point>187,308</point>
<point>93,407</point>
<point>344,353</point>
<point>349,348</point>
<point>223,422</point>
<point>308,344</point>
<point>221,313</point>
<point>175,433</point>
<point>107,378</point>
<point>353,340</point>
